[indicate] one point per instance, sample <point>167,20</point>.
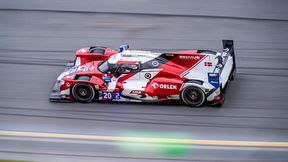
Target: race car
<point>194,77</point>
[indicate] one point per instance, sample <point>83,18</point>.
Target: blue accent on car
<point>123,47</point>
<point>116,96</point>
<point>213,78</point>
<point>107,79</point>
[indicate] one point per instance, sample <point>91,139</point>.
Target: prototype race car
<point>194,77</point>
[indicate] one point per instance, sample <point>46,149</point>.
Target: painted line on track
<point>143,145</point>
<point>78,137</point>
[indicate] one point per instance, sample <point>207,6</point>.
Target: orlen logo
<point>155,85</point>
<point>189,57</point>
<point>164,86</point>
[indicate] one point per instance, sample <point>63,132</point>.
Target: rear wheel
<point>193,96</point>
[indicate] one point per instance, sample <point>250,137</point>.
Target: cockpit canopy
<point>131,61</point>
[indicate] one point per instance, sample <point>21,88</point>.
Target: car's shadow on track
<point>161,104</point>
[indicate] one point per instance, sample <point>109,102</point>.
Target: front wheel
<point>83,92</point>
<point>193,96</point>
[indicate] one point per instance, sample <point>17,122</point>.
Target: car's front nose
<point>56,95</point>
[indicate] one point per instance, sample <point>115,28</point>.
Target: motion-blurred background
<point>38,37</point>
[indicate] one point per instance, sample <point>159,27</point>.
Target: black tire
<point>193,96</point>
<point>83,92</point>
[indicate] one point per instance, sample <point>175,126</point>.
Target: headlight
<point>69,76</point>
<point>61,82</point>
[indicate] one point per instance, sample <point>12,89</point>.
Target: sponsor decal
<point>147,75</point>
<point>189,57</point>
<point>87,67</point>
<point>155,63</point>
<point>168,86</point>
<point>91,68</point>
<point>73,70</point>
<point>135,92</point>
<point>164,86</point>
<point>155,85</point>
<point>213,78</point>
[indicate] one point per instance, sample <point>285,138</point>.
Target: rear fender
<point>206,87</point>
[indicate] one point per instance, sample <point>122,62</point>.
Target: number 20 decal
<point>110,95</point>
<point>107,96</point>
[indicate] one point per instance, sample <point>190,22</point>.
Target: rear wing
<point>228,51</point>
<point>228,46</point>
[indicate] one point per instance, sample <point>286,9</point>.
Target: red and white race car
<point>194,77</point>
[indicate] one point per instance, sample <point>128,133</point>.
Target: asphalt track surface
<point>37,39</point>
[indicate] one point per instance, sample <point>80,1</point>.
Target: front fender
<point>68,82</point>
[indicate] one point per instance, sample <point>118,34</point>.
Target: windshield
<point>106,67</point>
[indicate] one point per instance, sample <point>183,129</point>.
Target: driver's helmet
<point>127,68</point>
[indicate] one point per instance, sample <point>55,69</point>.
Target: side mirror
<point>107,79</point>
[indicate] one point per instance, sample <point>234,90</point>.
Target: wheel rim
<point>83,92</point>
<point>193,96</point>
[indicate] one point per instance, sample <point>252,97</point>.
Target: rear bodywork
<point>152,76</point>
